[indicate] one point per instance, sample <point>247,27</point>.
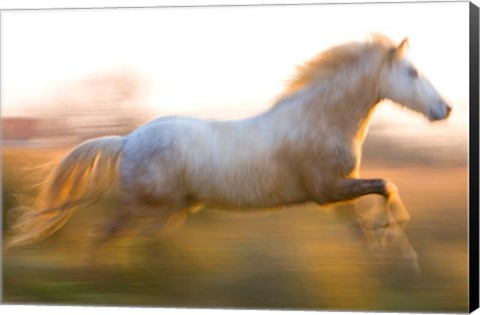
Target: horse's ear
<point>400,50</point>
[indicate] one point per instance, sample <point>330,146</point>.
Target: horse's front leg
<point>381,219</point>
<point>351,188</point>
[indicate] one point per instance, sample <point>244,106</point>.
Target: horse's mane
<point>335,58</point>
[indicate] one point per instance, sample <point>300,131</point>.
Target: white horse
<point>306,148</point>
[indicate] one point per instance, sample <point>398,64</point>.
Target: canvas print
<point>309,157</point>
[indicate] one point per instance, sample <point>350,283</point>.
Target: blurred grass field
<point>297,258</point>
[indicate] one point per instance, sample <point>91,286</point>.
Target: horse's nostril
<point>449,110</point>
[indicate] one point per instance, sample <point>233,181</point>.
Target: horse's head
<point>401,82</point>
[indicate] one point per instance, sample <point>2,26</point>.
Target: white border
<point>44,4</point>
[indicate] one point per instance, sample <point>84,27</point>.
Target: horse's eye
<point>413,72</point>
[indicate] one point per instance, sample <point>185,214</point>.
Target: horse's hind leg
<point>161,217</point>
<point>108,231</point>
<point>132,216</point>
<point>150,239</point>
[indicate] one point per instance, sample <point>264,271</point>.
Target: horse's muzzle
<point>440,111</point>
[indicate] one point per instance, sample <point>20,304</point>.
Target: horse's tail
<point>81,179</point>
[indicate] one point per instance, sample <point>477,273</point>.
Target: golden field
<point>302,257</point>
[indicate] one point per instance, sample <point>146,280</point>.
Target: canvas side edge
<point>474,160</point>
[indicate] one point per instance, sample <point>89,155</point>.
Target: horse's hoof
<point>413,271</point>
<point>409,268</point>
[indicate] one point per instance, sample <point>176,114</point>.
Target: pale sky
<point>221,62</point>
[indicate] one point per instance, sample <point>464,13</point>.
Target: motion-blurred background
<point>70,75</point>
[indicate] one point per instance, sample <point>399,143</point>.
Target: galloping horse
<point>307,147</point>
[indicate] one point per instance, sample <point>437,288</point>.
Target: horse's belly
<point>250,192</point>
<point>249,205</point>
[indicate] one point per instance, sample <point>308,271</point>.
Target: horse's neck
<point>342,106</point>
